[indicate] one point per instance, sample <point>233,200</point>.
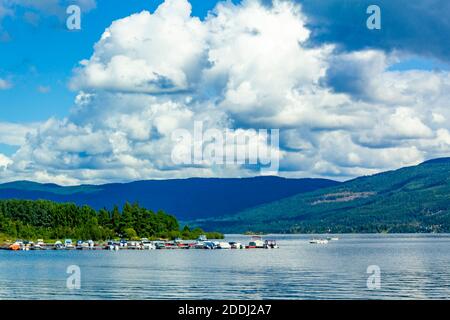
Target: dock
<point>143,244</point>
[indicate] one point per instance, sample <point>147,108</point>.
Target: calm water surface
<point>412,267</point>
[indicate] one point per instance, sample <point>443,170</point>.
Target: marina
<point>256,242</point>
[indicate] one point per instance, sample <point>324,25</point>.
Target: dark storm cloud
<point>420,27</point>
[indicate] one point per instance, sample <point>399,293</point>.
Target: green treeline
<point>50,220</point>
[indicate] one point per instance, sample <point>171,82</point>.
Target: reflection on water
<point>412,266</point>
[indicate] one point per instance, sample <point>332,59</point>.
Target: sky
<point>101,104</point>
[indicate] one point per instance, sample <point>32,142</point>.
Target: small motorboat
<point>58,245</point>
<point>223,245</point>
<point>270,244</point>
<point>318,241</point>
<point>112,245</point>
<point>209,245</point>
<point>26,246</point>
<point>123,243</point>
<point>147,244</point>
<point>40,244</point>
<point>170,245</point>
<point>134,245</point>
<point>91,244</point>
<point>160,245</point>
<point>236,245</point>
<point>68,244</point>
<point>182,245</point>
<point>255,243</point>
<point>83,245</point>
<point>199,245</point>
<point>80,245</point>
<point>15,246</point>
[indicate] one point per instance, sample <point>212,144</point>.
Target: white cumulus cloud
<point>245,66</point>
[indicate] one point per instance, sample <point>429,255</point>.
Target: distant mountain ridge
<point>411,199</point>
<point>185,198</point>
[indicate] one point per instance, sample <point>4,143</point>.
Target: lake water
<point>412,267</point>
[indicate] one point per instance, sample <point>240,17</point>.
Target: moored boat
<point>160,245</point>
<point>40,245</point>
<point>255,243</point>
<point>68,244</point>
<point>236,245</point>
<point>270,244</point>
<point>318,241</point>
<point>209,245</point>
<point>183,245</point>
<point>16,246</point>
<point>223,245</point>
<point>147,244</point>
<point>58,245</point>
<point>112,245</point>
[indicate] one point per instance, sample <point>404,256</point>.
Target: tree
<point>49,220</point>
<point>130,233</point>
<point>104,219</point>
<point>115,219</point>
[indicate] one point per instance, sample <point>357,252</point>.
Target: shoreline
<point>256,242</point>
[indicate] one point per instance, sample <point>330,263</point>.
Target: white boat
<point>332,238</point>
<point>223,245</point>
<point>82,245</point>
<point>270,244</point>
<point>147,244</point>
<point>134,245</point>
<point>59,245</point>
<point>38,246</point>
<point>318,241</point>
<point>199,245</point>
<point>236,245</point>
<point>205,245</point>
<point>113,245</point>
<point>256,242</point>
<point>68,244</point>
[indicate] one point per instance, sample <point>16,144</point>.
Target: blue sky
<point>43,56</point>
<point>38,55</point>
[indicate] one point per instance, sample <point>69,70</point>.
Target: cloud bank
<point>406,25</point>
<point>341,113</point>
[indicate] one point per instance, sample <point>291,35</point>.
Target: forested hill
<point>412,199</point>
<point>185,198</point>
<point>49,220</point>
